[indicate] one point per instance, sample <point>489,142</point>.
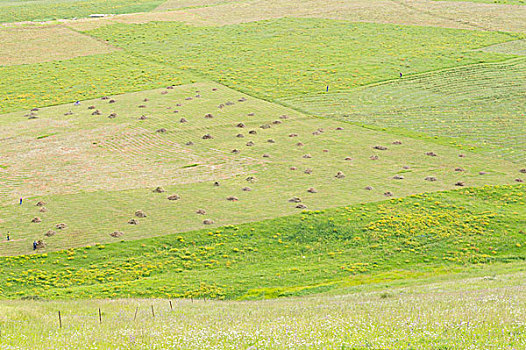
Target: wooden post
<point>153,313</point>
<point>171,308</point>
<point>59,320</point>
<point>137,309</point>
<point>100,316</point>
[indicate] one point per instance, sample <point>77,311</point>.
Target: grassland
<point>286,57</point>
<point>480,309</point>
<point>45,10</point>
<point>36,44</point>
<point>50,83</point>
<point>310,252</point>
<point>283,64</point>
<point>472,105</point>
<point>68,157</point>
<point>223,153</point>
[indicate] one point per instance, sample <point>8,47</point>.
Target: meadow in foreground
<point>481,309</point>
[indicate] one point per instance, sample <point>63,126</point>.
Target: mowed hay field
<point>113,152</point>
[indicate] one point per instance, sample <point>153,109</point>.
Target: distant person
<point>21,200</point>
<point>327,88</point>
<point>8,237</point>
<point>34,245</point>
<point>77,103</point>
<point>400,74</point>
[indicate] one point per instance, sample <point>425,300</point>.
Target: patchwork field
<point>459,15</point>
<point>113,155</point>
<point>364,161</point>
<point>310,252</point>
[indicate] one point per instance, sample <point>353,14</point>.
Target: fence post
<point>59,320</point>
<point>171,308</point>
<point>135,316</point>
<point>100,316</point>
<point>153,313</point>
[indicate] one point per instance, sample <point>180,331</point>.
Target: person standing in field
<point>20,200</point>
<point>8,237</point>
<point>34,245</point>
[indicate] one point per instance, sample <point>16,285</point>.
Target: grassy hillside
<point>311,252</point>
<point>483,308</point>
<point>475,105</point>
<point>68,157</point>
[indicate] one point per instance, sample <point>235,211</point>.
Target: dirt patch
<point>430,178</point>
<point>174,197</point>
<point>133,222</point>
<point>61,226</point>
<point>116,234</point>
<point>201,211</point>
<point>339,175</point>
<point>232,199</point>
<point>208,222</point>
<point>50,233</point>
<point>36,220</point>
<point>312,190</point>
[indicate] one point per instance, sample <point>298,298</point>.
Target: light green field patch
<point>45,10</point>
<point>23,45</point>
<point>114,164</point>
<point>480,105</point>
<point>515,47</point>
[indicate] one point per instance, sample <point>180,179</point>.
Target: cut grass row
<point>306,253</point>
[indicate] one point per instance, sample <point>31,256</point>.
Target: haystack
<point>140,214</point>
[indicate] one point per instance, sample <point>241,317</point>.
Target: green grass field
<point>281,174</point>
<point>310,252</point>
<point>482,307</point>
<point>473,105</point>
